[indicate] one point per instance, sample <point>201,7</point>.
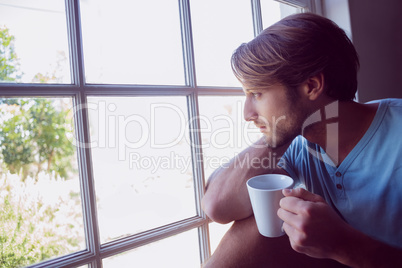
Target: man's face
<point>276,112</point>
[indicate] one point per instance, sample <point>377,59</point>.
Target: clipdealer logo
<point>112,132</point>
<point>132,134</point>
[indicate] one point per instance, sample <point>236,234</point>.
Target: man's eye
<point>256,94</point>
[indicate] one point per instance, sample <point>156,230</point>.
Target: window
<point>113,114</point>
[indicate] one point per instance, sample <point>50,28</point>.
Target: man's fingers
<point>291,204</point>
<point>287,216</point>
<point>302,194</point>
<point>288,229</point>
<point>292,233</point>
<point>299,200</point>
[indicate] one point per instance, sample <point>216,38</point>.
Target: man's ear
<point>313,87</point>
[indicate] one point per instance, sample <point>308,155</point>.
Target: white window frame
<point>78,90</point>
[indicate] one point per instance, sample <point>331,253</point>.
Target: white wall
<point>338,11</point>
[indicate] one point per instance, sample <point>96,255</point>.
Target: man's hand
<point>313,227</point>
<point>316,230</point>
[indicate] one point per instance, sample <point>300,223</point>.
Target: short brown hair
<point>296,48</point>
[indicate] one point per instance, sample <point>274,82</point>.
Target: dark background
<point>377,35</point>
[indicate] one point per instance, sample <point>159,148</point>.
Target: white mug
<point>265,192</point>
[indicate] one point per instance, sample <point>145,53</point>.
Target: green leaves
<point>33,142</point>
<point>21,242</point>
<point>33,138</point>
<point>8,57</point>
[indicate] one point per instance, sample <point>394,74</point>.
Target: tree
<point>34,138</point>
<point>33,141</point>
<point>32,131</point>
<point>14,143</point>
<point>8,57</point>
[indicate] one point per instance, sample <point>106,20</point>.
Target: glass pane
<point>224,134</point>
<point>224,131</point>
<point>33,42</point>
<point>272,11</point>
<point>142,163</point>
<point>41,212</point>
<point>132,42</point>
<point>179,251</point>
<point>216,233</point>
<point>219,27</point>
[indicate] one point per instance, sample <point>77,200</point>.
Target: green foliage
<point>14,143</point>
<point>33,138</point>
<point>33,144</point>
<point>13,254</point>
<point>8,57</point>
<point>32,131</point>
<point>29,230</point>
<point>33,141</point>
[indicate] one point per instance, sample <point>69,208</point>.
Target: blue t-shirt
<point>366,188</point>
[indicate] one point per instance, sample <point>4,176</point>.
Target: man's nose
<point>249,111</point>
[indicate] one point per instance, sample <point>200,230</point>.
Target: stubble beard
<point>280,139</point>
<point>292,127</point>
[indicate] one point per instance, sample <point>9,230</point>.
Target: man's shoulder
<point>299,144</point>
<point>389,110</point>
<point>391,102</point>
<point>297,149</point>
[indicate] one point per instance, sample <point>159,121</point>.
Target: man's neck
<point>342,125</point>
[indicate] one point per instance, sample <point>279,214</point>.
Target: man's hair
<point>296,48</point>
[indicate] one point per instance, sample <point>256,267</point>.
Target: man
<point>299,78</point>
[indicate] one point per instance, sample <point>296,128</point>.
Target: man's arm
<point>226,198</point>
<point>243,246</point>
<point>363,251</point>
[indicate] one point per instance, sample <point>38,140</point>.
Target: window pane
<point>41,212</point>
<point>224,134</point>
<point>132,42</point>
<point>272,11</point>
<point>33,42</point>
<point>219,27</point>
<point>179,251</point>
<point>216,233</point>
<point>224,131</point>
<point>142,163</point>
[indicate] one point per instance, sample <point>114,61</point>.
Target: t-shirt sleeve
<point>289,159</point>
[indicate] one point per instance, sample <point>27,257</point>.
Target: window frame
<point>78,90</point>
